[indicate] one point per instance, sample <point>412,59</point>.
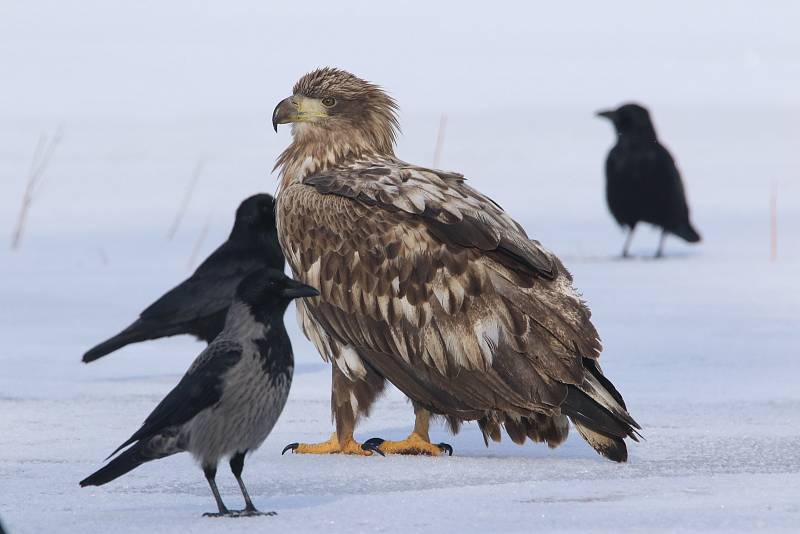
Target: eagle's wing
<point>441,292</point>
<point>452,210</point>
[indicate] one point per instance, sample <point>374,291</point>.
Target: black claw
<point>374,442</point>
<point>373,445</point>
<point>217,514</point>
<point>445,447</point>
<point>290,447</point>
<point>253,513</point>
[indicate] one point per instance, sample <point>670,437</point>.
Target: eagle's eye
<point>328,101</point>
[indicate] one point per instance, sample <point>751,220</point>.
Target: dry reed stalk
<point>39,163</point>
<point>187,198</point>
<point>437,151</point>
<point>198,245</point>
<point>773,222</point>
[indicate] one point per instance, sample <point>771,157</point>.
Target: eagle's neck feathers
<point>316,147</point>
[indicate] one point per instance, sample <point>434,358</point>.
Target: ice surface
<point>702,344</point>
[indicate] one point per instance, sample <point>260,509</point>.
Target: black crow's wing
<point>197,305</point>
<point>209,290</point>
<point>666,179</point>
<point>200,388</point>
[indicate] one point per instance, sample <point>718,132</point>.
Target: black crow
<point>198,305</point>
<point>642,182</point>
<point>229,399</point>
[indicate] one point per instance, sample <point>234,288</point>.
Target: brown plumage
<point>428,283</point>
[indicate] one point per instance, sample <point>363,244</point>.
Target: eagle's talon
<point>373,442</point>
<point>445,448</point>
<point>373,445</point>
<point>291,446</point>
<point>332,446</point>
<point>414,444</point>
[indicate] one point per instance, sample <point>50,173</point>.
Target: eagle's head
<point>334,108</point>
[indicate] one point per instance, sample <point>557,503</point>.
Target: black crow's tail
<point>598,412</point>
<point>686,231</point>
<point>127,461</point>
<point>138,331</point>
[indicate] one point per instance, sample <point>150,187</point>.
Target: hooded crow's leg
<point>628,241</point>
<point>211,473</point>
<point>237,464</point>
<point>660,251</point>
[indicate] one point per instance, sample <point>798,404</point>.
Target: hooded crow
<point>642,181</point>
<point>228,401</point>
<point>198,305</point>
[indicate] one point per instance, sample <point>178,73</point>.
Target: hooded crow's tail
<point>686,231</point>
<point>127,461</point>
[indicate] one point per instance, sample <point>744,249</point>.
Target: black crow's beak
<point>296,290</point>
<point>607,114</point>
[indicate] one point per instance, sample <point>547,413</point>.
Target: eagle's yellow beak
<point>298,108</point>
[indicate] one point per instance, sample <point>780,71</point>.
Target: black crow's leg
<point>660,251</point>
<point>628,241</point>
<point>211,473</point>
<point>237,465</point>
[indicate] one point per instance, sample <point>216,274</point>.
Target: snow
<point>701,344</point>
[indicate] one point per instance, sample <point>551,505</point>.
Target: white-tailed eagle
<point>429,284</point>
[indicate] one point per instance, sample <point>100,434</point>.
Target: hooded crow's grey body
<point>642,182</point>
<point>198,305</point>
<point>231,396</point>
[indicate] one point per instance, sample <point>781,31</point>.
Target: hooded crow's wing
<point>200,388</point>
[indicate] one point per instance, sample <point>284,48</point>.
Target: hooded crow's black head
<point>630,119</point>
<point>270,288</point>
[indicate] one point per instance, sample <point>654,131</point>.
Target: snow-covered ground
<point>702,344</point>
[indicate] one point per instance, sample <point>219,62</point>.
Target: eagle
<point>429,284</point>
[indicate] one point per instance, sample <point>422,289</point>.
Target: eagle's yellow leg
<point>332,446</point>
<point>418,442</point>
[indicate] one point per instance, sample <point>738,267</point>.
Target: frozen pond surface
<point>703,344</point>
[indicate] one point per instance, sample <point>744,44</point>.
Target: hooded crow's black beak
<point>296,290</point>
<point>609,114</point>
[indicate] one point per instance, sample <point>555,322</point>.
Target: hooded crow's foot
<point>239,513</point>
<point>252,512</point>
<point>332,446</point>
<point>413,444</point>
<point>226,513</point>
